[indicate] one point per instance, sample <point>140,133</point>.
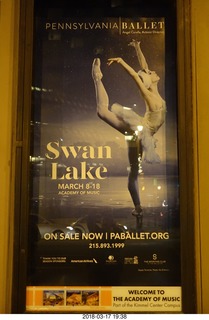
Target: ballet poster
<point>104,221</point>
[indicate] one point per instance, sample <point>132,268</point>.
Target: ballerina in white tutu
<point>125,120</point>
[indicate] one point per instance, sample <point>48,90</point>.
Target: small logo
<point>84,261</point>
<point>154,256</point>
<point>131,260</point>
<point>155,260</point>
<point>111,259</point>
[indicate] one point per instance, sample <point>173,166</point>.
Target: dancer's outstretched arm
<point>153,101</point>
<point>132,73</point>
<point>141,58</point>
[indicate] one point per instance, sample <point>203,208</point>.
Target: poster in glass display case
<point>104,221</point>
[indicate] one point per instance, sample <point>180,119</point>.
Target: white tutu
<point>149,154</point>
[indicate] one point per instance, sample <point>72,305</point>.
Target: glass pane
<point>104,206</point>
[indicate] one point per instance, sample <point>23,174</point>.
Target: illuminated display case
<point>101,196</point>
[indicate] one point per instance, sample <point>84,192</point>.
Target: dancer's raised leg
<point>102,100</point>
